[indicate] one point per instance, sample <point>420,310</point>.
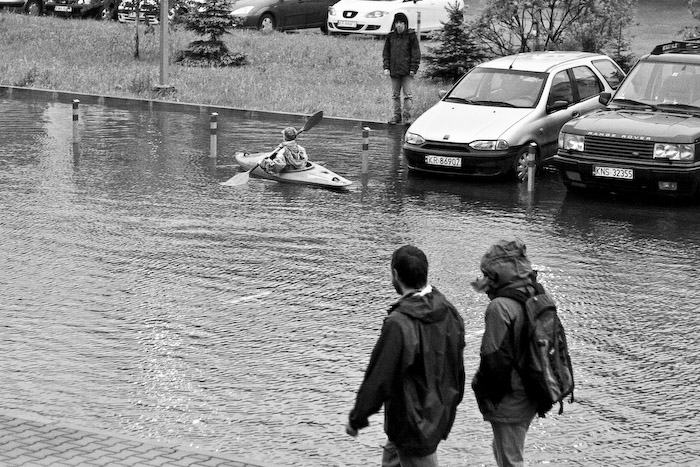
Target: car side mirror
<point>557,105</point>
<point>604,98</point>
<point>442,93</point>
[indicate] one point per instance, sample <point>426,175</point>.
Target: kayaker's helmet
<point>289,133</point>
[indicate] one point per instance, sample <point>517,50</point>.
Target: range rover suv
<point>647,139</point>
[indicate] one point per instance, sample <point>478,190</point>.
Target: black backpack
<point>546,365</point>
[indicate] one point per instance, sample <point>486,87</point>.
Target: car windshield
<point>661,85</point>
<point>506,88</point>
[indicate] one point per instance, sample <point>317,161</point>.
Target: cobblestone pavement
<point>30,440</point>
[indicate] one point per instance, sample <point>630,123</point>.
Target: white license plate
<point>613,172</point>
<point>62,8</point>
<point>444,161</point>
<point>347,24</point>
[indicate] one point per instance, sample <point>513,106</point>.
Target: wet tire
<point>267,23</point>
<point>34,8</point>
<point>520,165</point>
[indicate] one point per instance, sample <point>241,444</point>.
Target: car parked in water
<point>485,124</point>
<point>29,7</point>
<point>375,17</point>
<point>102,9</point>
<point>647,139</point>
<point>282,15</point>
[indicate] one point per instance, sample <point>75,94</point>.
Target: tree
<point>694,7</point>
<point>212,19</point>
<point>510,26</point>
<point>458,50</point>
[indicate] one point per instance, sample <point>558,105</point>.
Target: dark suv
<point>647,139</point>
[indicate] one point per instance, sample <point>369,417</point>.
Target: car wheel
<point>33,8</point>
<point>267,23</point>
<point>520,165</point>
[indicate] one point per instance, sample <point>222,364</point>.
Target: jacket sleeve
<point>386,54</point>
<point>415,53</point>
<point>492,380</point>
<point>383,369</point>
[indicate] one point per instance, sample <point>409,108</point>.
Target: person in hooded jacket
<point>288,155</point>
<point>499,389</point>
<point>401,56</point>
<point>416,369</point>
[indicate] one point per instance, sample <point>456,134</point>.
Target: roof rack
<point>678,47</point>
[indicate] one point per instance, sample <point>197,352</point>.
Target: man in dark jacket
<point>499,389</point>
<point>416,369</point>
<point>401,60</point>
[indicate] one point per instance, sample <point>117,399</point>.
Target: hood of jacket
<point>505,265</point>
<point>423,305</point>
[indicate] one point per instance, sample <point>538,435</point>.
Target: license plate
<point>613,172</point>
<point>444,161</point>
<point>65,9</point>
<point>347,24</point>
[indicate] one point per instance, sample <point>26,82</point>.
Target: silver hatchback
<point>484,124</point>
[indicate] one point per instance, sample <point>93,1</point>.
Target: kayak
<point>313,174</point>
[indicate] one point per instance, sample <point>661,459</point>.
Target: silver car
<point>484,124</point>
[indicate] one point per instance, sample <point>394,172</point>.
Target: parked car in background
<point>102,9</point>
<point>647,140</point>
<point>30,7</point>
<point>484,124</point>
<point>149,10</point>
<point>268,15</point>
<point>375,17</point>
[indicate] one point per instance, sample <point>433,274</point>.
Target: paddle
<point>243,177</point>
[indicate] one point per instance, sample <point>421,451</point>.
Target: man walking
<point>401,60</point>
<point>499,389</point>
<point>416,369</point>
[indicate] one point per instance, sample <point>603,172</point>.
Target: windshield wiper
<point>692,108</point>
<point>633,102</point>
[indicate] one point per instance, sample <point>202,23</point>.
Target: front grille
<point>445,146</point>
<point>618,147</point>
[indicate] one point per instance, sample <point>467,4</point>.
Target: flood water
<point>140,296</point>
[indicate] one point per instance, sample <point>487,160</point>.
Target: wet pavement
<point>29,440</point>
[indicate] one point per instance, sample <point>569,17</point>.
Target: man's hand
<point>386,72</point>
<point>350,430</point>
<point>412,73</point>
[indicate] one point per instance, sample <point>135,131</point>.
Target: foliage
<point>694,8</point>
<point>212,19</point>
<point>508,27</point>
<point>458,49</point>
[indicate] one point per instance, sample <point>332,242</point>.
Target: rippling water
<point>141,296</point>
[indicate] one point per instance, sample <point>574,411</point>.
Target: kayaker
<point>288,155</point>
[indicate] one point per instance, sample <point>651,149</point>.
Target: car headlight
<point>413,138</point>
<point>674,152</point>
<point>242,11</point>
<point>489,145</point>
<point>376,14</point>
<point>570,142</point>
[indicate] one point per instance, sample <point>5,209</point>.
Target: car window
<point>587,83</point>
<point>561,89</point>
<point>610,71</point>
<point>511,88</point>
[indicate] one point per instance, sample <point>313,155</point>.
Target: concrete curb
<point>154,104</point>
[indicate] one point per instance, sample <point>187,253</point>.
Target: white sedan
<point>375,17</point>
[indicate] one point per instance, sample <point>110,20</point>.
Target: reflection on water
<point>140,295</point>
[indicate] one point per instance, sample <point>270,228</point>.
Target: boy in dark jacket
<point>416,369</point>
<point>401,60</point>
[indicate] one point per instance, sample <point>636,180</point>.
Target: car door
<point>317,12</point>
<point>561,89</point>
<point>292,13</point>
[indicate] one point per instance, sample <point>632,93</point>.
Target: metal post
<point>164,55</point>
<point>531,167</point>
<point>365,149</point>
<point>213,127</point>
<point>75,120</point>
<point>418,27</point>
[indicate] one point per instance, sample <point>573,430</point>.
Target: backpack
<point>546,365</point>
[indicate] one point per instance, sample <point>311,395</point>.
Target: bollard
<point>213,127</point>
<point>365,149</point>
<point>531,167</point>
<point>75,121</point>
<point>418,27</point>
